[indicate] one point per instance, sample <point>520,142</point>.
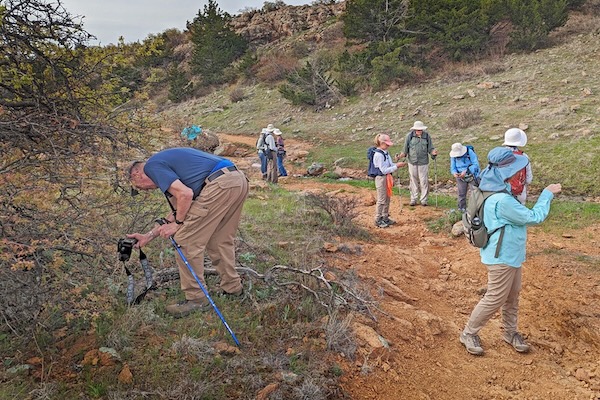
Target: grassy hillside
<point>552,94</point>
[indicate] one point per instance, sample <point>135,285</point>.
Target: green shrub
<point>180,87</point>
<point>389,68</point>
<point>533,20</point>
<point>216,46</point>
<point>310,85</point>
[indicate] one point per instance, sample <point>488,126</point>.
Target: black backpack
<point>475,229</point>
<point>372,171</point>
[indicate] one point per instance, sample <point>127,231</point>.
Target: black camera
<point>124,248</point>
<point>469,177</point>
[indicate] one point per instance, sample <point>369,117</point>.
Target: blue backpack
<point>372,171</point>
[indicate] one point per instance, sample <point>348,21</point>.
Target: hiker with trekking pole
<point>206,194</point>
<point>418,147</point>
<point>381,168</point>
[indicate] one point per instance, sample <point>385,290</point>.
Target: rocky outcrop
<point>260,27</point>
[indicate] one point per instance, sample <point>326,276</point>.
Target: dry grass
<point>340,337</point>
<point>274,68</point>
<point>237,94</point>
<point>464,119</point>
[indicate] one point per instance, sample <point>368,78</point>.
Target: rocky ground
<point>427,285</point>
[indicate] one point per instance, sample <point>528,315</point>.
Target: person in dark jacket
<point>417,149</point>
<point>281,153</point>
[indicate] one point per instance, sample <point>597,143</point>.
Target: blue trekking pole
<point>210,300</point>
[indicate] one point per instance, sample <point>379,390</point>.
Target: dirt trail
<point>559,310</point>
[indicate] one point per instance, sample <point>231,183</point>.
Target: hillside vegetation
<point>552,94</point>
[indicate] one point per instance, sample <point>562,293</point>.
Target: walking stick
<point>435,179</point>
<point>398,185</point>
<point>210,300</point>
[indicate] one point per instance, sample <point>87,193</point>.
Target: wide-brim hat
<point>515,137</point>
<point>276,132</point>
<point>502,164</point>
<point>458,150</point>
<point>270,128</point>
<point>418,126</point>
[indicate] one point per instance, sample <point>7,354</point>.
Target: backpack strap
<point>382,153</point>
<point>500,228</point>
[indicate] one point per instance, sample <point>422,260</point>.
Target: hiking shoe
<point>220,292</point>
<point>472,343</point>
<point>187,307</point>
<point>424,204</point>
<point>380,223</point>
<point>389,221</point>
<point>412,203</point>
<point>517,341</point>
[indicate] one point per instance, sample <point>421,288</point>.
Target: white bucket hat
<point>515,137</point>
<point>276,132</point>
<point>418,126</point>
<point>458,150</point>
<point>270,128</point>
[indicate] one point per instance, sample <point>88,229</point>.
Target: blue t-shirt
<point>190,166</point>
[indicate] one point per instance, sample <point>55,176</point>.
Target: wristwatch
<point>178,222</point>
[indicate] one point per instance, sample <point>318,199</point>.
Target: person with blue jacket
<point>464,166</point>
<point>504,271</point>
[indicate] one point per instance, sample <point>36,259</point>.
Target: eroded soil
<point>443,279</point>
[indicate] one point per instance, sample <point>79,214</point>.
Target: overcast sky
<point>136,19</point>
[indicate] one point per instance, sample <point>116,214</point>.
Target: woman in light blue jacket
<point>504,271</point>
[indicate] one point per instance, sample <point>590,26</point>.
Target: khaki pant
<point>504,286</point>
<point>383,201</point>
<point>211,225</point>
<point>418,175</point>
<point>272,174</point>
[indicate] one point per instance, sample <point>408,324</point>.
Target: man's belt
<point>220,172</point>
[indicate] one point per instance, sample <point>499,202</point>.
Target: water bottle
<point>476,223</point>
